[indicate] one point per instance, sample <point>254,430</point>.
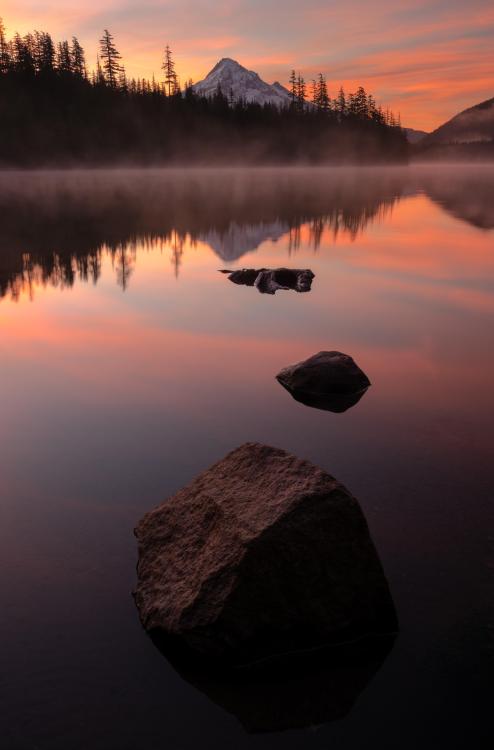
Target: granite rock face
<point>262,553</point>
<point>328,380</point>
<point>269,281</point>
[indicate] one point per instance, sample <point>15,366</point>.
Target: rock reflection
<point>336,402</point>
<point>294,691</point>
<point>328,380</point>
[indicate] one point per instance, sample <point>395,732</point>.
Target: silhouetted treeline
<point>53,111</point>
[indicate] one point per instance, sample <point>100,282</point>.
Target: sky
<point>426,59</point>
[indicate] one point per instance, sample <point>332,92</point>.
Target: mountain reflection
<point>468,199</point>
<point>58,226</point>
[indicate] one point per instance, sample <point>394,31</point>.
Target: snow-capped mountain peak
<point>226,62</point>
<point>236,82</point>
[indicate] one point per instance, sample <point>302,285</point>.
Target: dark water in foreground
<point>128,365</point>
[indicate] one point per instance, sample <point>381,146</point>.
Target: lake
<point>129,365</point>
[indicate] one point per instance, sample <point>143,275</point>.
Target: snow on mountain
<point>239,239</point>
<point>281,90</point>
<point>237,82</point>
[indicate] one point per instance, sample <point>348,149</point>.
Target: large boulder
<point>260,554</point>
<point>269,280</point>
<point>327,380</point>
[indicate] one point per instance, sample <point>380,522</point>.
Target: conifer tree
<point>301,92</point>
<point>189,91</point>
<point>168,67</point>
<point>323,100</point>
<point>100,76</point>
<point>47,61</point>
<point>77,58</point>
<point>360,105</point>
<point>320,97</point>
<point>64,62</point>
<point>122,79</point>
<point>4,50</point>
<point>341,105</point>
<point>315,93</point>
<point>22,53</point>
<point>371,105</point>
<point>293,87</point>
<point>110,57</point>
<point>38,52</point>
<point>350,105</point>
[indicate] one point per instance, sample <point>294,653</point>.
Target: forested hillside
<point>53,111</point>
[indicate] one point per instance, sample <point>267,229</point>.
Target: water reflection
<point>292,692</point>
<point>468,199</point>
<point>334,402</point>
<point>57,227</point>
<point>113,401</point>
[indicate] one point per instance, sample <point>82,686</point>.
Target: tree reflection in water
<point>57,227</point>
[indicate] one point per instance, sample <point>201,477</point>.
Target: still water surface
<point>129,364</point>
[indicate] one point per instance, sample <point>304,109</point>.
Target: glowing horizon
<point>425,60</point>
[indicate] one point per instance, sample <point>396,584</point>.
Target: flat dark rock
<point>260,554</point>
<point>269,281</point>
<point>328,380</point>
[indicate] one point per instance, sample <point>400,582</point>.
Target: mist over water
<point>129,364</point>
<point>57,226</point>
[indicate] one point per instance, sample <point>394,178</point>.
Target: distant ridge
<point>237,82</point>
<point>473,125</point>
<point>415,136</point>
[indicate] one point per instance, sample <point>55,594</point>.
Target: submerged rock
<point>268,281</point>
<point>262,553</point>
<point>244,276</point>
<point>328,380</point>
